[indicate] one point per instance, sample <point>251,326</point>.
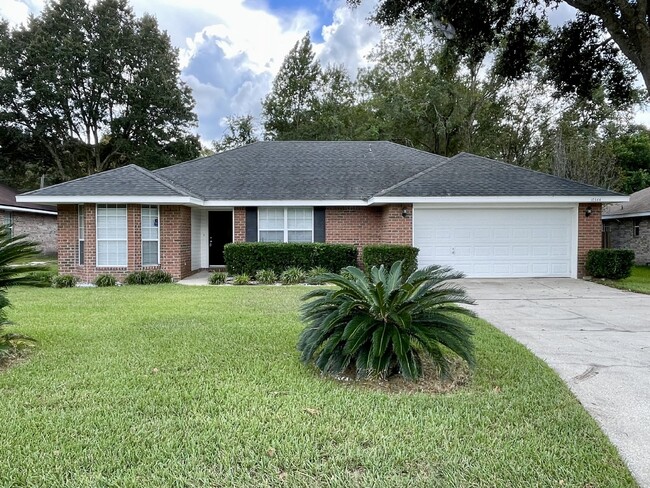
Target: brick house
<point>626,225</point>
<point>483,217</point>
<point>38,222</point>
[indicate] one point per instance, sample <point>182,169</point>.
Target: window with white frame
<point>82,233</point>
<point>285,224</point>
<point>111,235</point>
<point>150,236</point>
<point>8,221</point>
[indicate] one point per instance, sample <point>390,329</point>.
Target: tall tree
<point>593,50</point>
<point>95,87</point>
<point>287,108</point>
<point>240,131</point>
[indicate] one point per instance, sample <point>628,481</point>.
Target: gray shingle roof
<point>297,170</point>
<point>124,181</point>
<point>470,175</point>
<point>639,204</point>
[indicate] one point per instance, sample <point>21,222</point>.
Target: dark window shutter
<point>319,224</point>
<point>251,224</point>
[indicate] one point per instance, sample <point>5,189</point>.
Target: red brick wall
<point>40,228</point>
<point>589,233</point>
<point>395,228</point>
<point>353,225</point>
<point>239,216</point>
<point>175,242</point>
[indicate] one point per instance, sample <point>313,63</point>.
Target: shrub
<point>249,257</point>
<point>387,254</point>
<point>241,279</point>
<point>105,280</point>
<point>217,278</point>
<point>266,276</point>
<point>382,323</point>
<point>314,275</point>
<point>64,281</point>
<point>614,264</point>
<point>148,277</point>
<point>293,276</point>
<point>45,277</point>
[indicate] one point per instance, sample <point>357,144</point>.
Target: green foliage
<point>64,281</point>
<point>387,254</point>
<point>148,277</point>
<point>42,276</point>
<point>241,279</point>
<point>241,132</point>
<point>94,87</point>
<point>266,276</point>
<point>383,324</point>
<point>105,280</point>
<point>613,264</point>
<point>314,275</point>
<point>293,276</point>
<point>217,278</point>
<point>249,257</point>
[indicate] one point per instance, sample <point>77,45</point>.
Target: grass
<point>171,386</point>
<point>638,281</point>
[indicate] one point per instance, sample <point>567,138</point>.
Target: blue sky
<point>230,50</point>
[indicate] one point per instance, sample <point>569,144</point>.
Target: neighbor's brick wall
<point>589,233</point>
<point>40,228</point>
<point>621,236</point>
<point>239,216</point>
<point>175,242</point>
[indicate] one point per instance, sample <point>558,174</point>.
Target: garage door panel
<point>498,242</point>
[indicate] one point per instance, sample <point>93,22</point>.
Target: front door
<point>220,234</point>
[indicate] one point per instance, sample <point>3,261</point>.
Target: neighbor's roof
<point>8,200</point>
<point>324,171</point>
<point>638,206</point>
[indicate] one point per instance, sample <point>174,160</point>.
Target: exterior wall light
<point>588,211</point>
<point>405,212</point>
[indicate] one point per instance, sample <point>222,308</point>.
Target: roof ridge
<point>79,179</point>
<point>165,182</point>
<point>183,163</point>
<point>503,163</point>
<point>436,165</point>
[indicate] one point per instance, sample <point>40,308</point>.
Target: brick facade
<point>590,233</point>
<point>621,236</point>
<point>239,224</point>
<point>40,228</point>
<point>175,245</point>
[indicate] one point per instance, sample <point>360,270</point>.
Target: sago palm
<point>385,323</point>
<point>14,251</point>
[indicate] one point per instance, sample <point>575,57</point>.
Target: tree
<point>593,50</point>
<point>241,131</point>
<point>632,152</point>
<point>94,87</point>
<point>287,109</point>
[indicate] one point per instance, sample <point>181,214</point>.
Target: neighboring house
<point>626,225</point>
<point>483,217</point>
<point>38,222</point>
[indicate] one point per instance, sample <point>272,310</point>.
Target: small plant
<point>148,277</point>
<point>105,280</point>
<point>42,276</point>
<point>217,278</point>
<point>613,264</point>
<point>266,276</point>
<point>314,275</point>
<point>383,323</point>
<point>241,279</point>
<point>64,281</point>
<point>293,276</point>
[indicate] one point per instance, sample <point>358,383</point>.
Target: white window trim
<point>97,239</point>
<point>81,224</point>
<point>142,241</point>
<point>286,224</point>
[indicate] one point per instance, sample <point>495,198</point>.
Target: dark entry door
<point>220,234</point>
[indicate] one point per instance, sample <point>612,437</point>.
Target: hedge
<point>250,257</point>
<point>387,254</point>
<point>614,264</point>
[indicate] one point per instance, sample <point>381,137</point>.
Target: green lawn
<point>638,282</point>
<point>179,386</point>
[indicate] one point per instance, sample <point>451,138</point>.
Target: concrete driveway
<point>597,339</point>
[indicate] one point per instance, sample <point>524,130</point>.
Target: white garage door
<point>498,242</point>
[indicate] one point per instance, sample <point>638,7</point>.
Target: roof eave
<point>503,199</point>
<point>117,199</point>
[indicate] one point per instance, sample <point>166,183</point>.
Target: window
<point>150,236</point>
<point>82,233</point>
<point>290,224</point>
<point>9,222</point>
<point>111,235</point>
<point>636,227</point>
